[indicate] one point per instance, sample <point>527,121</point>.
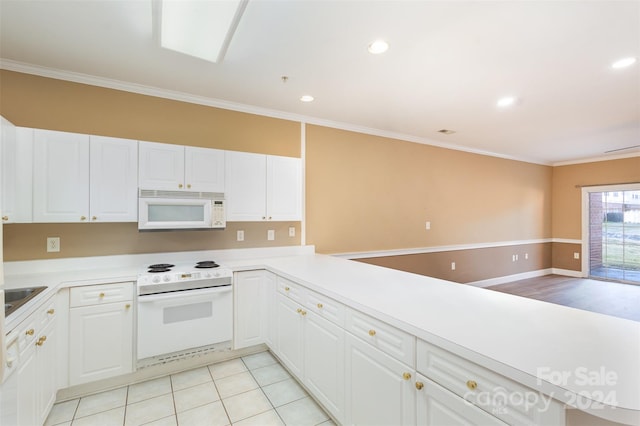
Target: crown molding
<point>108,83</point>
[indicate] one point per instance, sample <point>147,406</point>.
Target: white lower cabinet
<point>250,308</point>
<point>436,406</point>
<point>290,323</point>
<point>271,332</point>
<point>324,363</point>
<point>100,332</point>
<point>379,388</point>
<point>37,387</point>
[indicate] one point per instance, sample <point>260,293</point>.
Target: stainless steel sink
<point>14,298</point>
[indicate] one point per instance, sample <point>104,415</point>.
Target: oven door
<point>176,321</point>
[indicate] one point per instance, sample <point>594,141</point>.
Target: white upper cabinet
<point>60,177</point>
<point>17,167</point>
<point>113,179</point>
<point>263,187</point>
<point>82,178</point>
<point>177,168</point>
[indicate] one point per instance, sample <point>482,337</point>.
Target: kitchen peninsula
<point>461,346</point>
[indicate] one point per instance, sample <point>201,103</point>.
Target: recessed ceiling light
<point>624,62</point>
<point>379,46</point>
<point>306,98</point>
<point>507,101</point>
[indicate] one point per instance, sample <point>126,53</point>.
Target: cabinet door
<point>46,358</point>
<point>60,177</point>
<point>248,295</point>
<point>290,324</point>
<point>284,188</point>
<point>439,407</point>
<point>28,388</point>
<point>114,180</point>
<point>270,317</point>
<point>204,169</point>
<point>17,177</point>
<point>377,392</point>
<point>161,166</point>
<point>100,342</point>
<point>324,363</point>
<point>245,186</point>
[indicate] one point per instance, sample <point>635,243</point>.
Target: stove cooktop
<point>167,277</point>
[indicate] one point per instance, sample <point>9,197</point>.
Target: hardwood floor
<point>619,300</point>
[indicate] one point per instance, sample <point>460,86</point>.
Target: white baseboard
<point>511,278</point>
<point>567,273</point>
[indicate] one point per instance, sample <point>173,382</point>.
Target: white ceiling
<point>448,63</point>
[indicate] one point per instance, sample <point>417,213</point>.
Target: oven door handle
<point>150,298</point>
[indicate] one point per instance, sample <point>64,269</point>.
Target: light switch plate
<point>240,235</point>
<point>292,231</point>
<point>271,235</point>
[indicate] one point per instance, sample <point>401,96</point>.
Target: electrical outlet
<point>271,235</point>
<point>240,235</point>
<point>427,225</point>
<point>453,266</point>
<point>292,231</point>
<point>526,256</point>
<point>53,244</point>
<point>576,255</point>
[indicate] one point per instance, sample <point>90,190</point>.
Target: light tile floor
<point>252,390</point>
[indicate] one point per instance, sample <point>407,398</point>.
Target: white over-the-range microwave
<point>166,210</point>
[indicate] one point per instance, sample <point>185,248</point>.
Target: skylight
<point>199,28</point>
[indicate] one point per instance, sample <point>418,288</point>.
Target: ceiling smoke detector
<point>446,131</point>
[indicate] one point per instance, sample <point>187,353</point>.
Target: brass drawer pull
<point>372,333</point>
<point>287,289</point>
<point>419,385</point>
<point>83,218</point>
<point>127,306</point>
<point>406,376</point>
<point>320,305</point>
<point>471,384</point>
<point>101,295</point>
<point>303,313</point>
<point>5,218</point>
<point>41,341</point>
<point>51,311</point>
<point>30,332</point>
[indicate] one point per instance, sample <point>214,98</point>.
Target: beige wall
<point>567,198</point>
<point>369,193</point>
<point>363,193</point>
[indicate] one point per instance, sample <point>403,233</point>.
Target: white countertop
<point>518,337</point>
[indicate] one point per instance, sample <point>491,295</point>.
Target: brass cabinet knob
<point>471,384</point>
<point>179,185</point>
<point>372,332</point>
<point>188,185</point>
<point>264,217</point>
<point>94,218</point>
<point>83,218</point>
<point>303,313</point>
<point>30,332</point>
<point>298,310</point>
<point>127,306</point>
<point>419,385</point>
<point>287,289</point>
<point>320,305</point>
<point>101,295</point>
<point>5,218</point>
<point>51,311</point>
<point>406,376</point>
<point>269,217</point>
<point>41,340</point>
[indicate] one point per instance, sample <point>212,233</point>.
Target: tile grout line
<point>224,407</point>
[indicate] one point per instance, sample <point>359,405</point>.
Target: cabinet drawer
<point>494,393</point>
<point>291,290</point>
<point>47,312</point>
<point>27,332</point>
<point>383,336</point>
<point>99,294</point>
<point>326,307</point>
